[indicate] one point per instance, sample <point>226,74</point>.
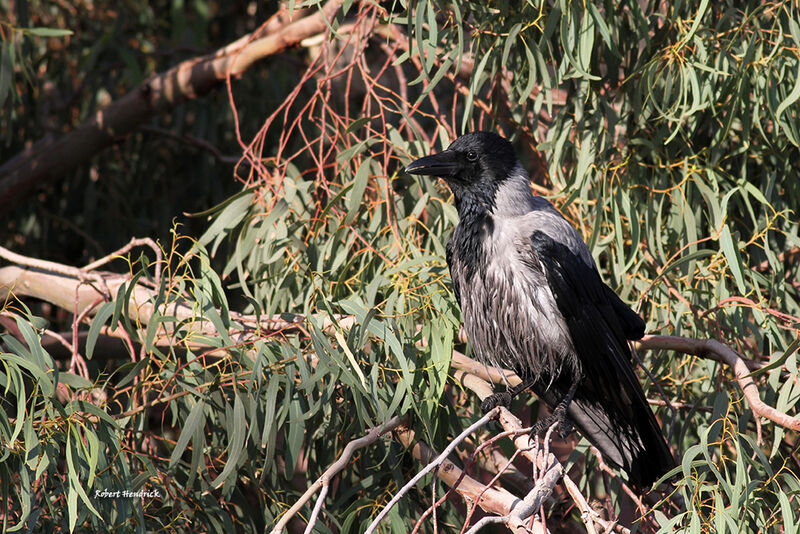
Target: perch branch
<point>704,348</point>
<point>59,284</point>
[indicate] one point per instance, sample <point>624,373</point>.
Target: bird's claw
<point>497,399</point>
<point>559,418</point>
<point>564,428</point>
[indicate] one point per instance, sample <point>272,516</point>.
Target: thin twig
<point>491,414</point>
<point>485,521</point>
<point>317,507</point>
<point>588,515</point>
<point>497,501</point>
<point>627,489</point>
<point>134,242</point>
<point>533,501</point>
<point>454,487</point>
<point>370,437</point>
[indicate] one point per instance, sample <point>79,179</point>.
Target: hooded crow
<point>533,301</point>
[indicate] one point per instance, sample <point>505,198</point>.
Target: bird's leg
<point>559,414</point>
<point>504,398</point>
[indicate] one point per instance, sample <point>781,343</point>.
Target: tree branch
<point>61,285</point>
<point>440,459</point>
<point>324,480</point>
<point>51,157</point>
<point>713,349</point>
<point>493,500</point>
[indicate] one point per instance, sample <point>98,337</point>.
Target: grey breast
<point>509,312</point>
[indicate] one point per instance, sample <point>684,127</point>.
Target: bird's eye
<point>472,155</point>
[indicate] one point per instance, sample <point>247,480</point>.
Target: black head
<point>474,165</point>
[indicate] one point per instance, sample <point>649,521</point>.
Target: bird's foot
<point>564,428</point>
<point>564,424</point>
<point>497,399</point>
<point>558,418</point>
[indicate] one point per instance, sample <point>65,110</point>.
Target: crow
<point>533,301</point>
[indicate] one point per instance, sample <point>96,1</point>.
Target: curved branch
<point>713,349</point>
<point>703,348</point>
<point>322,482</point>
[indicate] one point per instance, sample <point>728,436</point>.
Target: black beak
<point>442,164</point>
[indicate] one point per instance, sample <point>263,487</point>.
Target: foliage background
<point>667,132</point>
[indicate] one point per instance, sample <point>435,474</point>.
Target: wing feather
<point>609,407</point>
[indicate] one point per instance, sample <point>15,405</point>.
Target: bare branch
<point>63,286</point>
<point>496,501</point>
<point>51,156</point>
<point>712,349</point>
<point>317,507</point>
<point>145,241</point>
<point>50,266</point>
<point>491,414</point>
<point>324,480</point>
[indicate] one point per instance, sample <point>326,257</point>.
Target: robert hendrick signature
<point>126,494</point>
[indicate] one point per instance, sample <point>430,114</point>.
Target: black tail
<point>629,437</point>
<point>618,421</point>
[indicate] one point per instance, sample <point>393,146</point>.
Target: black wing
<point>449,256</point>
<point>609,406</point>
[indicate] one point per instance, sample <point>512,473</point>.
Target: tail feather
<point>634,444</point>
<point>622,427</point>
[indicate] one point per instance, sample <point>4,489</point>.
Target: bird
<point>532,300</point>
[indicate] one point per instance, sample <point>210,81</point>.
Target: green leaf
<point>195,419</point>
<point>76,485</point>
<point>232,214</point>
<point>778,362</point>
<point>510,42</point>
<point>731,253</point>
<point>294,441</point>
<point>47,32</point>
<point>478,78</point>
<point>357,192</point>
<point>237,442</point>
<point>698,19</point>
<point>357,124</point>
<point>98,321</point>
<point>41,376</point>
<point>73,380</point>
<point>791,98</point>
<point>605,33</point>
